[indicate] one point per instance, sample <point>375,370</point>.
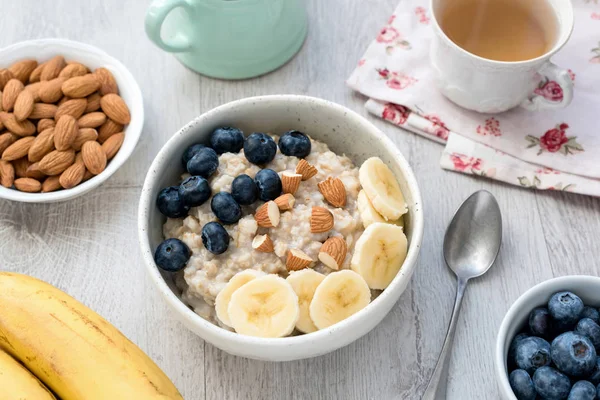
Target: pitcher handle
<point>555,91</point>
<point>155,16</point>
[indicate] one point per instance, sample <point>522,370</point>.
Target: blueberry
<point>172,255</point>
<point>269,184</point>
<point>574,354</point>
<point>512,350</point>
<point>598,391</point>
<point>204,163</point>
<point>244,190</point>
<point>260,148</point>
<point>582,390</point>
<point>294,143</point>
<point>595,375</point>
<point>215,238</point>
<point>539,322</point>
<point>194,191</point>
<point>227,140</point>
<point>522,385</point>
<point>565,308</point>
<point>169,203</point>
<point>226,208</point>
<point>588,328</point>
<point>551,384</point>
<point>190,152</point>
<point>591,313</point>
<point>532,353</point>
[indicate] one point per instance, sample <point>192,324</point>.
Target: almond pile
<point>60,124</point>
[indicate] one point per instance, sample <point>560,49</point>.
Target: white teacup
<point>490,86</point>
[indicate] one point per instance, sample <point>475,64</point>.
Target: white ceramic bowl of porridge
<point>332,127</point>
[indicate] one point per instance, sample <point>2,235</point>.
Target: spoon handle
<point>438,383</point>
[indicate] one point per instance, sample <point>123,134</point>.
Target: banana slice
<point>369,215</point>
<point>304,283</point>
<point>379,254</point>
<point>224,297</point>
<point>340,295</point>
<point>265,307</point>
<point>382,189</point>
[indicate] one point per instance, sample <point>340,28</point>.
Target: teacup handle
<point>155,16</point>
<point>556,91</point>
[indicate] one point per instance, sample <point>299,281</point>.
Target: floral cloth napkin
<point>554,149</point>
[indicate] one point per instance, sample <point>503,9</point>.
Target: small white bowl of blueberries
<point>548,346</point>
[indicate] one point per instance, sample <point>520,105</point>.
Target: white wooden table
<point>88,247</point>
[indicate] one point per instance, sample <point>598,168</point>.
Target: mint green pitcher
<point>229,39</point>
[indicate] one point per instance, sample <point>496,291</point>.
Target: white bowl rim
<point>191,316</point>
<point>133,131</point>
<point>522,302</point>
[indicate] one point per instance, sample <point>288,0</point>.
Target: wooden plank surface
<point>88,246</point>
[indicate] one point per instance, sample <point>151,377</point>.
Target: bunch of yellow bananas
<point>53,344</point>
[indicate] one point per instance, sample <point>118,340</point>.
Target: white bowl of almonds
<point>280,227</point>
<point>70,116</point>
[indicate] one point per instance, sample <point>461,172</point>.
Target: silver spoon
<point>471,244</point>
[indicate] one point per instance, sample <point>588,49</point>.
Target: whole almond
<point>42,145</point>
<point>43,110</point>
<point>108,84</point>
<point>84,135</point>
<point>80,86</point>
<point>45,123</point>
<point>63,101</point>
<point>88,175</point>
<point>52,68</point>
<point>20,128</point>
<point>33,171</point>
<point>1,109</point>
<point>6,139</point>
<point>93,102</point>
<point>24,105</point>
<point>5,76</point>
<point>108,129</point>
<point>50,91</point>
<point>51,184</point>
<point>112,145</point>
<point>73,69</point>
<point>18,149</point>
<point>10,93</point>
<point>93,157</point>
<point>73,175</point>
<point>37,73</point>
<point>65,132</point>
<point>115,108</point>
<point>29,185</point>
<point>34,88</point>
<point>92,120</point>
<point>321,220</point>
<point>73,107</point>
<point>23,69</point>
<point>21,166</point>
<point>57,161</point>
<point>333,252</point>
<point>7,173</point>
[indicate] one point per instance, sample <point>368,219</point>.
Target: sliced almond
<point>72,107</point>
<point>20,128</point>
<point>92,120</point>
<point>262,243</point>
<point>73,69</point>
<point>21,166</point>
<point>285,202</point>
<point>112,145</point>
<point>43,111</point>
<point>33,171</point>
<point>84,135</point>
<point>305,169</point>
<point>290,182</point>
<point>10,93</point>
<point>51,184</point>
<point>6,139</point>
<point>115,108</point>
<point>65,132</point>
<point>50,91</point>
<point>93,157</point>
<point>7,173</point>
<point>297,260</point>
<point>18,149</point>
<point>23,69</point>
<point>93,102</point>
<point>80,86</point>
<point>5,76</point>
<point>24,105</point>
<point>334,191</point>
<point>108,84</point>
<point>267,215</point>
<point>28,185</point>
<point>36,74</point>
<point>52,68</point>
<point>321,220</point>
<point>56,162</point>
<point>42,145</point>
<point>333,252</point>
<point>108,129</point>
